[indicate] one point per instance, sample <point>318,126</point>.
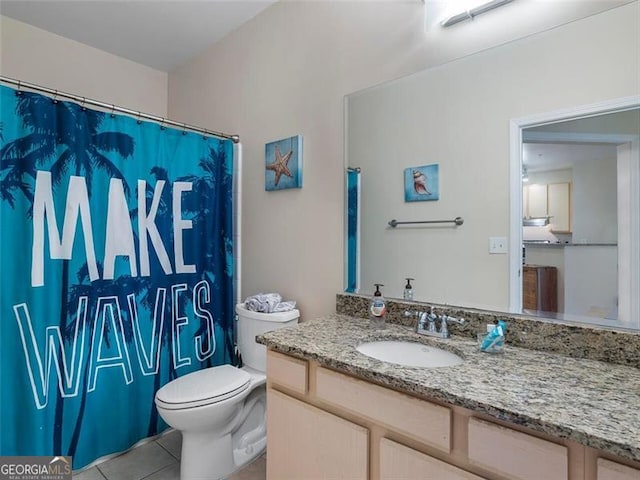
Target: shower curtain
<point>353,230</point>
<point>116,275</point>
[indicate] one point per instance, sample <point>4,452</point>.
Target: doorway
<point>575,225</point>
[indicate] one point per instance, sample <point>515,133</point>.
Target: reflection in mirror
<point>575,223</point>
<point>458,116</point>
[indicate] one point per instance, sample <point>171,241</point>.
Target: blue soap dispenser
<point>377,309</point>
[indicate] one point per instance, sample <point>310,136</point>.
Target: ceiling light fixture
<point>469,13</point>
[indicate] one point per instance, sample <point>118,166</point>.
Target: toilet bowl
<point>221,410</point>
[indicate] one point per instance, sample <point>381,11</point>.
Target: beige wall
<point>285,73</point>
<point>37,56</point>
<point>458,116</point>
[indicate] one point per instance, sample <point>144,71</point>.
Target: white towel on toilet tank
<point>268,303</point>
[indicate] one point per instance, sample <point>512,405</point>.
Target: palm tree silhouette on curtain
<point>120,288</point>
<point>207,214</point>
<point>211,218</point>
<point>63,136</point>
<point>158,280</point>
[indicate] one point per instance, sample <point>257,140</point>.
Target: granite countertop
<point>590,402</point>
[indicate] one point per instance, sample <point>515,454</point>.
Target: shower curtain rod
<point>114,108</point>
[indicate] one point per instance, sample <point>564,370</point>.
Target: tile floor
<point>158,460</point>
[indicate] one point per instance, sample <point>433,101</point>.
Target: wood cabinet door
<point>608,470</point>
<point>398,462</point>
<point>559,206</point>
<point>529,288</point>
<point>537,205</point>
<point>522,456</point>
<point>305,442</point>
<point>540,288</point>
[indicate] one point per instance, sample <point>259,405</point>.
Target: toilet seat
<point>204,387</point>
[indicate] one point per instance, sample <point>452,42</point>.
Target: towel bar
<point>458,221</point>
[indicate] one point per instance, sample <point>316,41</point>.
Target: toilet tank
<point>251,324</point>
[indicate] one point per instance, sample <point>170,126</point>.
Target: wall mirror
<point>485,120</point>
<point>579,213</point>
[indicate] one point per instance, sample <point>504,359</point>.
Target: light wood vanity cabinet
<point>322,424</point>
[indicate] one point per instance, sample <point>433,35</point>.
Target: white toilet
<point>221,410</point>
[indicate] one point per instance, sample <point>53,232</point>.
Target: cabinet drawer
<point>424,421</point>
<point>515,454</point>
<point>608,470</point>
<point>400,462</point>
<point>287,371</point>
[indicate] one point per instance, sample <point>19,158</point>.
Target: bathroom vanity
<point>525,414</point>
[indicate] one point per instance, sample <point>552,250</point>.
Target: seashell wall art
<point>422,183</point>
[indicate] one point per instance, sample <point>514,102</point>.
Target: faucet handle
<point>448,319</point>
<point>444,329</point>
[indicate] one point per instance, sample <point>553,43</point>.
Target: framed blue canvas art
<point>421,183</point>
<point>283,164</point>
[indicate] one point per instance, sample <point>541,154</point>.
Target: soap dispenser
<point>408,290</point>
<point>377,309</point>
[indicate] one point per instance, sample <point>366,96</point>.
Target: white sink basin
<point>410,354</point>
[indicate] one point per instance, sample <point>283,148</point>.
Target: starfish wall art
<point>283,164</point>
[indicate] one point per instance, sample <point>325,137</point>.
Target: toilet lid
<point>210,385</point>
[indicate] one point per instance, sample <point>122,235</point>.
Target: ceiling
<point>539,157</point>
<point>563,144</point>
<point>161,34</point>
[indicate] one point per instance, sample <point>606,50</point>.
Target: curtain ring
<point>84,108</point>
<point>113,109</point>
<point>55,97</point>
<point>162,127</point>
<point>19,92</point>
<point>184,128</point>
<point>138,121</point>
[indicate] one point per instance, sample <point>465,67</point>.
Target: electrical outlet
<point>497,244</point>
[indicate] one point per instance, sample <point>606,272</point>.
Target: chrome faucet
<point>427,323</point>
<point>444,320</point>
